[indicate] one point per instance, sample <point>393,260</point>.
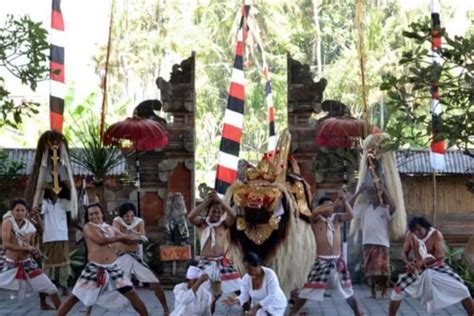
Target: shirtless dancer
<point>102,281</point>
<point>329,265</point>
<point>213,229</point>
<point>428,277</point>
<point>129,259</point>
<point>17,266</point>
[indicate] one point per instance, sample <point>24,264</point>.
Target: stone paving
<point>332,306</point>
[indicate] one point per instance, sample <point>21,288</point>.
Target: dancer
<point>191,297</point>
<point>102,282</point>
<point>213,230</point>
<point>261,286</point>
<point>19,272</point>
<point>428,276</point>
<point>329,265</point>
<point>376,218</point>
<point>55,244</point>
<point>129,259</point>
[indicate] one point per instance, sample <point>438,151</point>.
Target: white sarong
<point>132,264</point>
<point>437,287</point>
<point>99,285</point>
<point>24,278</point>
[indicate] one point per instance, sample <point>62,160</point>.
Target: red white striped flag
<point>437,148</point>
<point>272,138</point>
<point>228,157</point>
<point>57,75</point>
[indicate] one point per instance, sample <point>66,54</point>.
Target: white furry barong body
<point>391,180</point>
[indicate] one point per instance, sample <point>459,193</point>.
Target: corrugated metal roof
<point>28,157</point>
<point>418,161</point>
<point>408,162</point>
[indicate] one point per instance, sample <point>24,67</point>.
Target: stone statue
<point>177,232</point>
<point>147,108</point>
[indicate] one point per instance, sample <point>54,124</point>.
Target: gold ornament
<point>297,189</point>
<point>55,172</point>
<point>256,196</point>
<point>262,232</point>
<point>241,223</point>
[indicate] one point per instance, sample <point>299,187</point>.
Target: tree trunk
<point>319,62</point>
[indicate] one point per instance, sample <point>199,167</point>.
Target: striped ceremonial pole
<point>272,138</point>
<point>228,157</point>
<point>254,31</point>
<point>437,148</point>
<point>57,86</point>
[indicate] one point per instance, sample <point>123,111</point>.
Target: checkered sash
<point>226,269</point>
<point>95,273</point>
<point>318,277</point>
<point>405,280</point>
<point>2,258</point>
<point>135,255</point>
<point>27,267</point>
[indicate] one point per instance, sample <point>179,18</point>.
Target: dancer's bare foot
<point>373,293</point>
<point>65,291</point>
<point>88,311</point>
<point>46,307</point>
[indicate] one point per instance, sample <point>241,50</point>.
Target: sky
<point>86,26</point>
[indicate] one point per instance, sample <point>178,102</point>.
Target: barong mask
<point>267,197</point>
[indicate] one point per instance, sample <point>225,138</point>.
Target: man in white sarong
<point>129,257</point>
<point>329,267</point>
<point>214,228</point>
<point>19,273</point>
<point>428,276</point>
<point>191,297</point>
<point>102,282</point>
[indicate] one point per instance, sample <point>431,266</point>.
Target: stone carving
<point>176,227</point>
<point>146,109</point>
<point>178,87</point>
<point>303,93</point>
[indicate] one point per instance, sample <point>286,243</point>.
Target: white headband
<point>193,273</point>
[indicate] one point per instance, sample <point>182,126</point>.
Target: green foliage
<point>409,95</point>
<point>9,169</point>
<point>90,152</point>
<point>77,259</point>
<point>22,53</point>
<point>149,37</point>
<point>458,264</point>
<point>149,254</point>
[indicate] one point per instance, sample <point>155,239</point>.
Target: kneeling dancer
<point>191,297</point>
<point>428,276</point>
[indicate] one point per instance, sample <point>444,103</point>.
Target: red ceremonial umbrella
<point>145,134</point>
<point>339,132</point>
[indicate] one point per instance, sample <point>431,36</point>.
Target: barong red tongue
<point>20,273</point>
